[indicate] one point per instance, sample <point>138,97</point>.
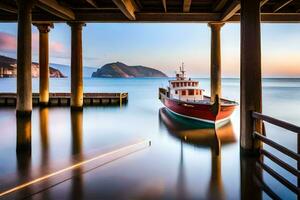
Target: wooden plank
<point>113,17</point>
<point>219,5</point>
<point>277,122</point>
<point>278,177</point>
<point>8,8</point>
<point>263,2</point>
<point>53,7</point>
<point>187,5</point>
<point>272,18</point>
<point>164,2</point>
<point>177,17</point>
<point>280,5</point>
<point>231,10</point>
<point>92,3</point>
<point>127,7</point>
<point>277,146</point>
<point>281,163</point>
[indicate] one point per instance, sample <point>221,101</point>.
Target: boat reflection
<point>197,133</point>
<point>202,135</point>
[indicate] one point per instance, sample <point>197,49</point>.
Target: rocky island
<point>121,70</point>
<point>8,68</point>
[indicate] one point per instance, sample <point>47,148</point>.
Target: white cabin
<point>184,89</point>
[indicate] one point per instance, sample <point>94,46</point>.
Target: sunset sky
<point>165,46</point>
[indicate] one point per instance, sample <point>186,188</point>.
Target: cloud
<point>57,49</point>
<point>8,42</point>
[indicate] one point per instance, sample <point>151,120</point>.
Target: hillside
<point>8,68</point>
<point>121,70</point>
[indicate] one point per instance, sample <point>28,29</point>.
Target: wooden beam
<point>231,10</point>
<point>92,3</point>
<point>53,7</point>
<point>219,5</point>
<point>148,17</point>
<point>128,8</point>
<point>280,5</point>
<point>187,5</point>
<point>263,2</point>
<point>273,18</point>
<point>96,16</point>
<point>164,2</point>
<point>177,17</point>
<point>8,8</point>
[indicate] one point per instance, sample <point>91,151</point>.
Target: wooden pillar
<point>44,61</point>
<point>76,65</point>
<point>251,88</point>
<point>215,60</point>
<point>24,88</point>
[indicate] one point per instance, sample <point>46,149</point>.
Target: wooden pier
<point>64,99</point>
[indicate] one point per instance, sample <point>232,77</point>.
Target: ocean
<point>175,165</point>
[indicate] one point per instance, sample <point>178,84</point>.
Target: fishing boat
<point>185,98</point>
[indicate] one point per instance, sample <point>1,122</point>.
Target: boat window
<point>176,92</point>
<point>191,92</point>
<point>183,92</point>
<point>177,84</point>
<point>197,92</point>
<point>189,84</point>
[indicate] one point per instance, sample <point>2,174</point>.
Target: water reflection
<point>250,176</point>
<point>44,132</point>
<point>76,188</point>
<point>44,142</point>
<point>23,149</point>
<point>76,128</point>
<point>23,134</point>
<point>181,180</point>
<point>202,135</point>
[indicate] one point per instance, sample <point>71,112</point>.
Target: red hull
<point>198,111</point>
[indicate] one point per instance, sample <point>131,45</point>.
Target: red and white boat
<point>184,97</point>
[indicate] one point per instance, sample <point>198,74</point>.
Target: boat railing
<point>282,149</point>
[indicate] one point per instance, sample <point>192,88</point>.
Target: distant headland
<point>8,68</point>
<point>121,70</point>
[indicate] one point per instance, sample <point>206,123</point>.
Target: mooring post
<point>251,88</point>
<point>215,60</point>
<point>76,65</point>
<point>44,29</point>
<point>24,87</point>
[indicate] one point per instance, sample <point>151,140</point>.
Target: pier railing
<point>284,150</point>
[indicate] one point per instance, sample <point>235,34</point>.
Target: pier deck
<point>63,99</point>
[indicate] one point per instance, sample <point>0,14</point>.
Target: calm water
<point>184,160</point>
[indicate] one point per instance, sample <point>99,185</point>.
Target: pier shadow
<point>201,135</point>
